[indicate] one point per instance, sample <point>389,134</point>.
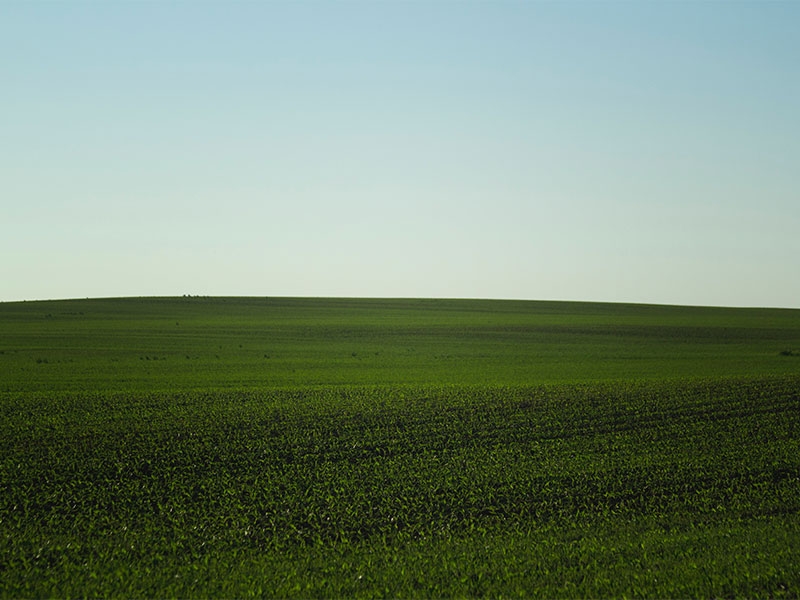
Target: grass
<point>404,448</point>
<point>235,343</point>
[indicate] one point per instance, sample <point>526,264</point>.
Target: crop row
<point>187,474</point>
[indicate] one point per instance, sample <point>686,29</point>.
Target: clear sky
<point>609,151</point>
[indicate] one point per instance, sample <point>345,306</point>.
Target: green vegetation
<point>404,448</point>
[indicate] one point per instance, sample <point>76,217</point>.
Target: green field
<point>230,447</point>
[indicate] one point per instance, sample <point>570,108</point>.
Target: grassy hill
<point>219,343</point>
<point>234,447</point>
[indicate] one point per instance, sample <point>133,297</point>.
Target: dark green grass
<point>338,448</point>
<point>667,490</point>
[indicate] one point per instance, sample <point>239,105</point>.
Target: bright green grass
<point>235,343</point>
<point>397,448</point>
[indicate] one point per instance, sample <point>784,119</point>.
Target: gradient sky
<point>608,151</point>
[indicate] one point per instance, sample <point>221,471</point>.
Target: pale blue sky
<point>610,151</point>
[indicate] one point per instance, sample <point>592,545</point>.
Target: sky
<point>600,151</point>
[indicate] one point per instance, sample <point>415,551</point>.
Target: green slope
<point>200,343</point>
<point>280,447</point>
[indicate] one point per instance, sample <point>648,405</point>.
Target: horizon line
<point>420,298</point>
